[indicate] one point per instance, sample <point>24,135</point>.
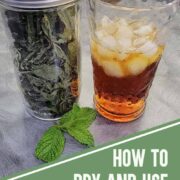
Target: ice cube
<point>124,44</point>
<point>137,65</point>
<point>109,42</point>
<point>108,25</point>
<point>136,24</point>
<point>139,41</point>
<point>106,21</point>
<point>100,34</point>
<point>124,31</point>
<point>123,22</point>
<point>102,50</point>
<point>144,30</point>
<point>157,56</point>
<point>122,56</point>
<point>105,53</point>
<point>112,68</point>
<point>111,29</point>
<point>149,48</point>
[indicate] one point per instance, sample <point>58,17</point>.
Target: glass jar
<point>127,43</point>
<point>44,40</point>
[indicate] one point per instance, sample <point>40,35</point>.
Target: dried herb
<point>46,58</point>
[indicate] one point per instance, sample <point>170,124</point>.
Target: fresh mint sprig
<point>76,123</point>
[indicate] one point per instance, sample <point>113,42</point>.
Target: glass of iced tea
<point>127,43</point>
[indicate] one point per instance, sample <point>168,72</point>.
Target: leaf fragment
<point>51,145</point>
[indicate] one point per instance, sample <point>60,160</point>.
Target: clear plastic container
<point>44,38</point>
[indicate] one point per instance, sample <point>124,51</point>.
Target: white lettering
<point>87,177</point>
<point>122,177</point>
<point>111,177</point>
<point>138,157</point>
<point>128,157</point>
<point>154,176</point>
<point>163,158</point>
<point>155,156</point>
<point>160,157</point>
<point>77,177</point>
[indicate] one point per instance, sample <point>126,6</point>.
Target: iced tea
<point>125,56</point>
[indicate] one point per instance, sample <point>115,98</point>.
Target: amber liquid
<point>122,99</point>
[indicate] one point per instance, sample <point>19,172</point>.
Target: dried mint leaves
<point>46,58</point>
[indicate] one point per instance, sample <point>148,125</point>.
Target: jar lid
<point>34,4</point>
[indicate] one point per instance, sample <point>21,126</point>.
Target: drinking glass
<point>127,42</point>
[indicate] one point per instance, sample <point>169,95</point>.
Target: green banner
<point>149,155</point>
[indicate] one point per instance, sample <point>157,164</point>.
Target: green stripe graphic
<point>100,160</point>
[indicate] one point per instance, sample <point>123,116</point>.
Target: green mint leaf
<point>85,117</point>
<point>76,107</point>
<point>82,135</point>
<point>51,145</point>
<point>80,118</point>
<point>67,118</point>
<point>76,123</point>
